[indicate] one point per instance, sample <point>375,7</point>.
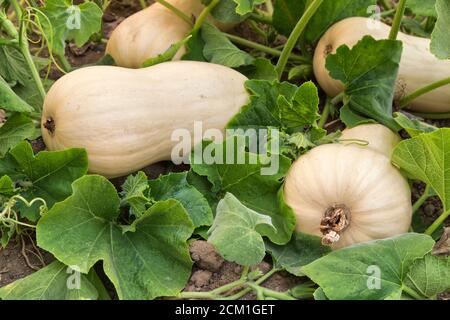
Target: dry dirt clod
<point>442,247</point>
<point>201,278</point>
<point>205,256</point>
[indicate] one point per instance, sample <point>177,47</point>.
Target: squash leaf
<point>371,270</point>
<point>225,11</point>
<point>235,232</point>
<point>133,194</point>
<point>425,158</point>
<point>440,42</point>
<point>238,173</point>
<point>47,175</point>
<point>413,126</point>
<point>286,14</point>
<point>246,6</point>
<point>369,82</point>
<point>144,260</point>
<point>63,21</point>
<point>54,282</point>
<point>17,128</point>
<point>300,251</point>
<point>425,8</point>
<point>11,101</point>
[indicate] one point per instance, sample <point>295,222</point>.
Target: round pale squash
<point>124,118</point>
<point>418,66</point>
<point>348,195</point>
<point>378,137</point>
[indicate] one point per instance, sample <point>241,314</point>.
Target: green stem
<point>260,18</point>
<point>13,221</point>
<point>325,114</point>
<point>64,63</point>
<point>261,280</point>
<point>177,11</point>
<point>295,35</point>
<point>420,92</point>
<point>437,223</point>
<point>143,4</point>
<point>263,48</point>
<point>213,294</point>
<point>269,7</point>
<point>397,20</point>
<point>8,42</point>
<point>412,293</point>
<point>387,13</point>
<point>270,293</point>
<point>422,199</point>
<point>203,15</point>
<point>339,98</point>
<point>433,116</point>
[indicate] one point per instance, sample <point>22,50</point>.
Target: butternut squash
<point>151,32</point>
<point>124,118</point>
<point>418,67</point>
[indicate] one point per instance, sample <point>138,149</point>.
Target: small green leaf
<point>63,21</point>
<point>133,193</point>
<point>371,270</point>
<point>219,49</point>
<point>16,129</point>
<point>303,109</point>
<point>414,127</point>
<point>440,41</point>
<point>300,251</point>
<point>10,101</point>
<point>51,283</point>
<point>225,11</point>
<point>260,69</point>
<point>246,6</point>
<point>6,186</point>
<point>369,82</point>
<point>144,260</point>
<point>167,55</point>
<point>286,14</point>
<point>175,186</point>
<point>235,232</point>
<point>429,276</point>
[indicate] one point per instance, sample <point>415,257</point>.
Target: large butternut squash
<point>124,118</point>
<point>418,67</point>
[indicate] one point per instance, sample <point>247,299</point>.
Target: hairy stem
<point>295,35</point>
<point>422,199</point>
<point>420,92</point>
<point>325,114</point>
<point>203,15</point>
<point>397,20</point>
<point>437,223</point>
<point>265,292</point>
<point>263,48</point>
<point>261,280</point>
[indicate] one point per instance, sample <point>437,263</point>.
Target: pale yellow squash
<point>378,138</point>
<point>124,118</point>
<point>418,67</point>
<point>151,32</point>
<point>346,195</point>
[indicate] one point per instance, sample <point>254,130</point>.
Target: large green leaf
<point>11,101</point>
<point>54,282</point>
<point>333,11</point>
<point>426,157</point>
<point>175,186</point>
<point>63,21</point>
<point>371,270</point>
<point>225,11</point>
<point>369,82</point>
<point>47,175</point>
<point>429,276</point>
<point>235,232</point>
<point>300,251</point>
<point>440,41</point>
<point>145,260</point>
<point>239,172</point>
<point>16,129</point>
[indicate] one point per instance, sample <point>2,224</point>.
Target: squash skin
<point>418,66</point>
<point>380,138</point>
<point>124,118</point>
<point>374,191</point>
